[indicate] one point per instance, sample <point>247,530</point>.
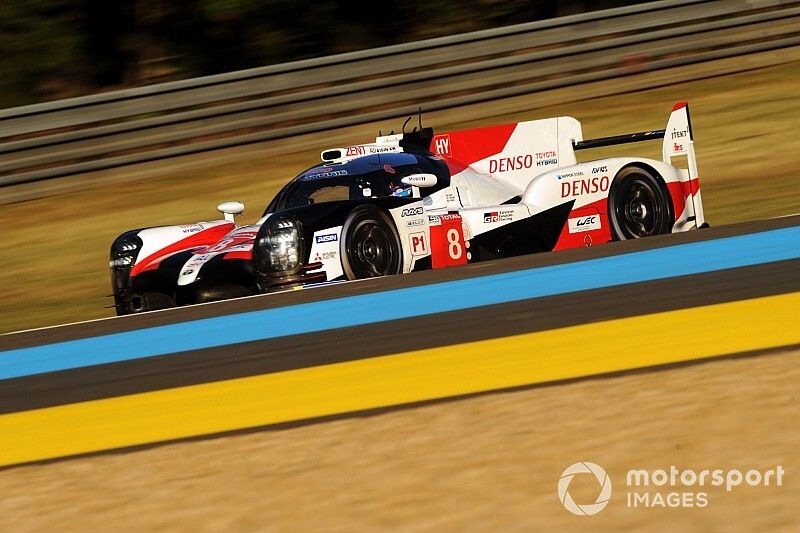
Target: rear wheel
<point>370,245</point>
<point>638,205</point>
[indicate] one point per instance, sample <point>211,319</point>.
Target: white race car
<point>416,201</point>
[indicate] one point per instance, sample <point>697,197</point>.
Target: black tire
<point>370,244</point>
<point>638,205</point>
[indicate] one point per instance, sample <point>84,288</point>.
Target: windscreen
<point>367,177</point>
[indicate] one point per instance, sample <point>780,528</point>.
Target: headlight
<point>123,254</point>
<point>279,248</point>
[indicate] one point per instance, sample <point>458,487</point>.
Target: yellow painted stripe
<point>442,372</point>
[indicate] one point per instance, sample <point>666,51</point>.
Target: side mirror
<point>230,209</point>
<point>420,180</point>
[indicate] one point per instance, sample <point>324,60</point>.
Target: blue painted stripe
<point>684,259</point>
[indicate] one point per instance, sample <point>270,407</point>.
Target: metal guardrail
<point>154,122</point>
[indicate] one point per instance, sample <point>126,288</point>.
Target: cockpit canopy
<point>371,176</point>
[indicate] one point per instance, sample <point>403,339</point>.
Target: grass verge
<point>53,267</point>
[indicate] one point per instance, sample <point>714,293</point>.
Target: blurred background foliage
<point>61,48</point>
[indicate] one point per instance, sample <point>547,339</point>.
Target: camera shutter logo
<point>590,508</point>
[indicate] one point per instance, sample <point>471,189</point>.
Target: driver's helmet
<point>399,189</point>
<point>396,187</point>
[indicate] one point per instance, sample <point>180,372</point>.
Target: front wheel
<point>370,245</point>
<point>638,205</point>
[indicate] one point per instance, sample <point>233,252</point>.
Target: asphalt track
<point>269,381</point>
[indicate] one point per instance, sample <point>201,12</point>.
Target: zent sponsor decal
<point>587,223</point>
<point>411,211</point>
<point>355,150</point>
<point>329,237</point>
<point>415,222</point>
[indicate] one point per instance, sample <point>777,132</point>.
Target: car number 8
<point>454,244</point>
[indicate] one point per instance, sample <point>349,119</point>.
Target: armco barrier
<point>119,128</point>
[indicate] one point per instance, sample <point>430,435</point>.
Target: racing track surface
<point>362,347</point>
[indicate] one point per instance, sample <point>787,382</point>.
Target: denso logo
<point>330,237</point>
<point>584,186</point>
<point>411,211</point>
<point>504,164</point>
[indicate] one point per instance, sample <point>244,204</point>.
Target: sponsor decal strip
<point>204,237</point>
<point>672,261</point>
<point>397,379</point>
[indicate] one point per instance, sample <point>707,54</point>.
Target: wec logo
<point>584,223</point>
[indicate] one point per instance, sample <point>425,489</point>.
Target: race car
<point>415,201</point>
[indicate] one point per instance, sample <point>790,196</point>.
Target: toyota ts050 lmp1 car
<point>415,201</point>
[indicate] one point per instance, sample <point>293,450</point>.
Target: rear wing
<point>678,141</point>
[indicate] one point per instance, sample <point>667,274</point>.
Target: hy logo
<point>589,508</point>
<point>442,144</point>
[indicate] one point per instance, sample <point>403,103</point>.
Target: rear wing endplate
<point>678,140</point>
